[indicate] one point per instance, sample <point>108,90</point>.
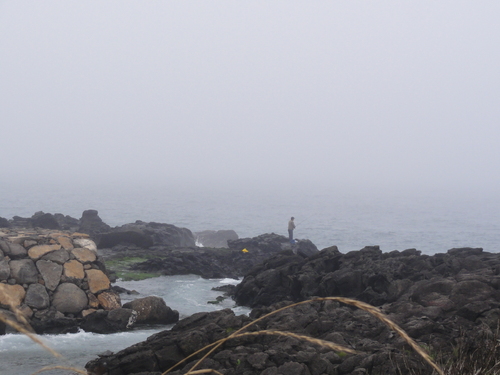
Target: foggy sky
<point>332,93</point>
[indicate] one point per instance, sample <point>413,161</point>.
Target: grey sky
<point>335,93</point>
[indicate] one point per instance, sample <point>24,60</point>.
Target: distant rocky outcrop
<point>215,238</point>
<point>234,262</point>
<point>92,224</point>
<point>145,235</point>
<point>273,243</point>
<point>4,223</point>
<point>58,283</point>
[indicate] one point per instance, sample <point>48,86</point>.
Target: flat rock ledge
<point>54,281</point>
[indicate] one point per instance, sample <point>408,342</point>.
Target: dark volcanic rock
<point>104,322</point>
<point>218,263</point>
<point>145,235</point>
<point>438,300</point>
<point>263,354</point>
<point>43,220</point>
<point>152,310</point>
<point>212,238</point>
<point>92,224</point>
<point>67,222</point>
<point>4,223</point>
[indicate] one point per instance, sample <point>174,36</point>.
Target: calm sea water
<point>430,222</point>
<point>351,220</point>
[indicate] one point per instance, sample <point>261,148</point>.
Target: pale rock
<point>74,269</point>
<point>97,280</point>
<point>88,312</point>
<point>11,295</point>
<point>36,252</point>
<point>84,255</point>
<point>93,301</point>
<point>109,300</point>
<point>65,242</point>
<point>86,243</point>
<point>28,243</point>
<point>152,310</point>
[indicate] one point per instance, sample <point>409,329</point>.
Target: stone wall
<point>48,275</point>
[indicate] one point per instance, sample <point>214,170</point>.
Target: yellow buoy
<point>245,250</point>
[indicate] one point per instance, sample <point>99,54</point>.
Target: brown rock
<point>97,280</point>
<point>93,301</point>
<point>11,295</point>
<point>65,242</point>
<point>74,269</point>
<point>36,252</point>
<point>88,312</point>
<point>84,255</point>
<point>109,300</point>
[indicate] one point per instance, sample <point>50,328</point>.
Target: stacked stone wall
<point>47,274</point>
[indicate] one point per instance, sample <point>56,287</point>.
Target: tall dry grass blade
<point>361,305</point>
<point>47,368</point>
<point>9,300</point>
<point>328,344</point>
<point>22,326</point>
<point>31,335</point>
<point>204,371</point>
<point>312,340</point>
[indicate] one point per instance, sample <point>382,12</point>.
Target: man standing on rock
<point>291,227</point>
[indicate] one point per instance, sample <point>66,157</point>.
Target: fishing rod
<point>302,221</point>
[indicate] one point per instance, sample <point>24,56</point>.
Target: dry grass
<point>478,358</point>
<point>361,305</point>
<point>22,326</point>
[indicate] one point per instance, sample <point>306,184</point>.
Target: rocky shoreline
<point>441,301</point>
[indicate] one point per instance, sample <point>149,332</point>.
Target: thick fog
<point>270,93</point>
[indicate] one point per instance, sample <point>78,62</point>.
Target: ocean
<point>432,222</point>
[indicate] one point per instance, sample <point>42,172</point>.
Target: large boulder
<point>44,220</point>
<point>51,273</point>
<point>104,322</point>
<point>4,223</point>
<point>37,297</point>
<point>67,222</point>
<point>97,280</point>
<point>68,298</point>
<point>92,224</point>
<point>212,238</point>
<point>23,271</point>
<point>13,250</point>
<point>152,310</point>
<point>145,235</point>
<point>4,269</point>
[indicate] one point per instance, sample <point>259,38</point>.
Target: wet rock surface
<point>438,300</point>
